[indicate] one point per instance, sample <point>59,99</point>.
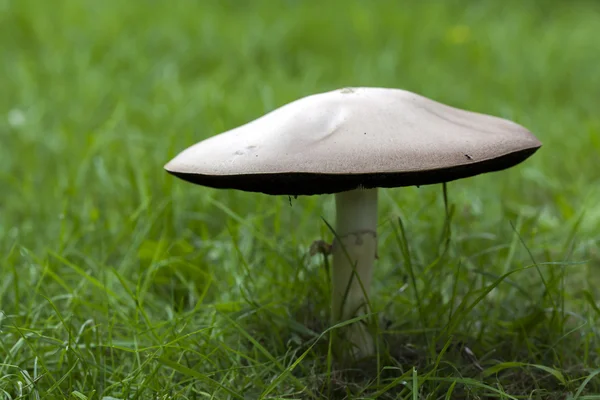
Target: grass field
<point>120,281</point>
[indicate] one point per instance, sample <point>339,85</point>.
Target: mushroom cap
<point>351,138</point>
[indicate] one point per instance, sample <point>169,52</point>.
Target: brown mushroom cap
<point>350,138</point>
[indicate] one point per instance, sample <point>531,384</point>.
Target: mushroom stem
<point>354,250</point>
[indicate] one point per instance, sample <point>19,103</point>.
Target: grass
<point>119,281</point>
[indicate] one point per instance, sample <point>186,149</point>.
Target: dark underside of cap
<point>296,184</point>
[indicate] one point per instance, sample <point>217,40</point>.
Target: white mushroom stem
<point>354,252</point>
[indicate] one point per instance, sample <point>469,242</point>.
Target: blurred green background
<point>97,242</point>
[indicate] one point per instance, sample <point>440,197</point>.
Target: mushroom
<point>349,142</point>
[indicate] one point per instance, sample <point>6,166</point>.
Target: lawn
<point>118,280</point>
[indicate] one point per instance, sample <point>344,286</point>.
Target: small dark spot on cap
<point>468,157</point>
